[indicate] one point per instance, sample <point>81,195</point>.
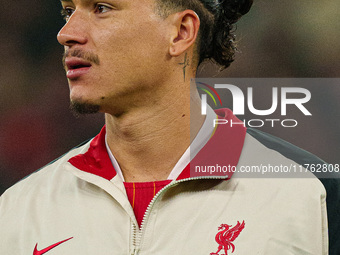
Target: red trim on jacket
<point>96,160</point>
<point>224,148</point>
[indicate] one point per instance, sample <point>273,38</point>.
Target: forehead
<point>110,1</point>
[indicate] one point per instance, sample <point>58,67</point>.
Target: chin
<point>82,107</point>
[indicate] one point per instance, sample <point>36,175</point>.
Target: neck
<point>148,140</point>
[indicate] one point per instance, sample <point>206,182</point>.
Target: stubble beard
<point>80,108</point>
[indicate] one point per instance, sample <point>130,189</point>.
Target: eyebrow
<point>71,1</point>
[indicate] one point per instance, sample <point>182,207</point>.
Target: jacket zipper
<point>138,234</point>
<point>135,233</point>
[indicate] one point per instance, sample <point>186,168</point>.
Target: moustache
<point>87,56</point>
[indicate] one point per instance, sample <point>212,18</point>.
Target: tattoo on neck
<point>185,64</point>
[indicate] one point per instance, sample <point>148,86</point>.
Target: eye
<point>101,8</point>
<point>66,13</point>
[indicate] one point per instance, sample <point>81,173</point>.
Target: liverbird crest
<point>226,236</point>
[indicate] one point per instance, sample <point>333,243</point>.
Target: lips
<point>76,67</point>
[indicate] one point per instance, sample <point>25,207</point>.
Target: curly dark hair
<point>216,39</point>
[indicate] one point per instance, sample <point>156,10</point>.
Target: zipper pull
<point>135,251</point>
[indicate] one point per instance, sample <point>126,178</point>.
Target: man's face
<point>115,51</point>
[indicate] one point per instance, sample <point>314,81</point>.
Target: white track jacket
<point>77,205</point>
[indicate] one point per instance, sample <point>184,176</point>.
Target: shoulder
<point>43,180</point>
<point>263,145</point>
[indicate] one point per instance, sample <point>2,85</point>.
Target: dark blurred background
<point>276,39</point>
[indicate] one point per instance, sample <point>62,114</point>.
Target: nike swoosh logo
<point>36,252</point>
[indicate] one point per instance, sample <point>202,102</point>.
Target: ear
<point>186,26</point>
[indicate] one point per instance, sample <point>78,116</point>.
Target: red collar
<point>223,149</point>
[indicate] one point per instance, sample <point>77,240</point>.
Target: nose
<point>74,31</point>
